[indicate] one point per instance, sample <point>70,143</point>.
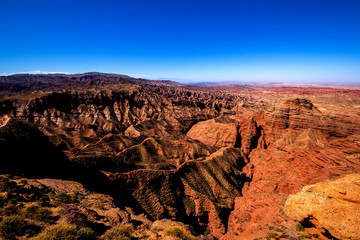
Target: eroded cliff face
<point>199,192</point>
<point>303,147</point>
<point>221,161</point>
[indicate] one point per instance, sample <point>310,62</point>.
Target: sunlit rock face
<point>332,208</point>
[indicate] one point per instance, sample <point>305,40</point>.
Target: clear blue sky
<point>198,40</point>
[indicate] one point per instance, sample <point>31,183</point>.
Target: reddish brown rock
<point>216,132</point>
<point>236,131</point>
<point>300,152</point>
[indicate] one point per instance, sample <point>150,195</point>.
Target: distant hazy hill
<point>37,82</point>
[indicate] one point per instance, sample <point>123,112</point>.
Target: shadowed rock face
<point>200,192</point>
<point>21,144</point>
<point>220,159</point>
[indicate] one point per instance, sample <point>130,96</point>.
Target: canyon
<point>221,159</point>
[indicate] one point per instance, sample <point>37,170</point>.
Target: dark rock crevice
<point>307,223</point>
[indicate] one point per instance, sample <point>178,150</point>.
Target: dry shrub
<point>123,232</point>
<point>179,233</point>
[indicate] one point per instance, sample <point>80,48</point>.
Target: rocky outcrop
<point>235,131</point>
<point>216,132</point>
<point>332,207</point>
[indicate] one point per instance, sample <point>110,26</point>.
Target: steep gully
<point>194,156</point>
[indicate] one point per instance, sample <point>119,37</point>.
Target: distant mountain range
<point>38,82</point>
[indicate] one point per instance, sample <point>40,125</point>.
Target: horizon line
<point>186,81</point>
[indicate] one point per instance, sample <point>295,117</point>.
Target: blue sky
<point>199,40</point>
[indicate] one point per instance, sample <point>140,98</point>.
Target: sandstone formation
<point>332,207</point>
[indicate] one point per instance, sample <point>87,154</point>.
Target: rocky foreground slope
<point>222,160</point>
<point>329,208</point>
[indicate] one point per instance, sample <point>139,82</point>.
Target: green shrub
<point>305,235</point>
<point>85,233</point>
<point>23,182</point>
<point>37,213</point>
<point>4,183</point>
<point>12,226</point>
<point>44,200</point>
<point>179,232</point>
<point>32,230</point>
<point>66,198</point>
<point>299,227</point>
<point>189,204</point>
<point>119,233</point>
<point>246,218</point>
<point>59,232</point>
<point>77,196</point>
<point>10,209</point>
<point>63,198</point>
<point>2,201</point>
<point>272,235</point>
<point>13,201</point>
